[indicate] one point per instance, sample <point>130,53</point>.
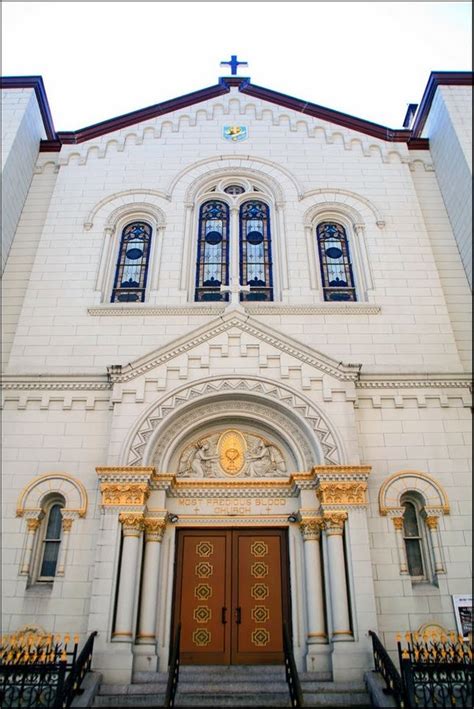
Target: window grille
<point>336,267</point>
<point>255,251</point>
<point>132,264</point>
<point>212,268</point>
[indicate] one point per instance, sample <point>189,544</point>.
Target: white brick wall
<point>449,128</point>
<point>22,130</point>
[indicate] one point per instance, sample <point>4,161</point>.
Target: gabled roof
<point>409,136</point>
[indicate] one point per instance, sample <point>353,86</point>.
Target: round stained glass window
<point>134,254</point>
<point>234,189</point>
<point>213,238</point>
<point>333,252</point>
<point>255,237</point>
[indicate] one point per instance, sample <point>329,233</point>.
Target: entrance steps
<point>230,686</point>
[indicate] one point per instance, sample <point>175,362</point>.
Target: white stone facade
<point>382,382</point>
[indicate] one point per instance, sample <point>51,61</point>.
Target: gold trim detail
<point>397,522</point>
<point>124,494</point>
<point>342,493</point>
<point>125,470</point>
<point>131,521</point>
<point>32,524</point>
<point>80,490</point>
<point>334,522</point>
<point>67,524</point>
<point>232,447</point>
<point>432,522</point>
<point>154,529</point>
<point>342,632</point>
<point>311,528</point>
<point>387,504</point>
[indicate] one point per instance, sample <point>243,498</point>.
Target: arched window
<point>212,268</point>
<point>414,536</point>
<point>50,541</point>
<point>335,260</point>
<point>255,251</point>
<point>132,264</point>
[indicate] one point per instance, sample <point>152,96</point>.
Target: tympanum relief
<point>231,453</point>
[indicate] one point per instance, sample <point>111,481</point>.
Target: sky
<point>99,60</point>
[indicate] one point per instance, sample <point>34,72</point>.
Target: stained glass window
<point>255,251</point>
<point>336,267</point>
<point>132,264</point>
<point>413,541</point>
<point>212,268</point>
<point>51,542</point>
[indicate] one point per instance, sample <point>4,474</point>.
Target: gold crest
<point>231,448</point>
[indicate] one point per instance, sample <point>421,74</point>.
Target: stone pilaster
<point>334,529</point>
<point>132,526</point>
<point>154,530</point>
<point>311,532</point>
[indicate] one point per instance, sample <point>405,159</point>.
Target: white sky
<point>100,59</point>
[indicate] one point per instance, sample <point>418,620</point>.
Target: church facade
<point>236,389</point>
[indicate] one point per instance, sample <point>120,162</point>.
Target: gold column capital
<point>154,529</point>
<point>310,528</point>
<point>432,521</point>
<point>132,523</point>
<point>397,522</point>
<point>32,524</point>
<point>67,524</point>
<point>334,522</point>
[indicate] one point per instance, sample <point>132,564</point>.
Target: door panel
<point>204,593</point>
<point>231,596</point>
<point>258,598</point>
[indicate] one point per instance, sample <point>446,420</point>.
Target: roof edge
<point>437,78</point>
<point>36,83</point>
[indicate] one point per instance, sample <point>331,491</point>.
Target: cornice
<point>437,78</point>
<point>415,381</point>
<point>36,83</point>
<point>142,310</point>
<point>322,309</point>
<point>150,310</point>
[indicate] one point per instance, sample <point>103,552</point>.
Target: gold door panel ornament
<point>259,570</point>
<point>260,591</point>
<point>260,614</point>
<point>259,549</point>
<point>204,549</point>
<point>260,637</point>
<point>203,591</point>
<point>202,614</point>
<point>202,637</point>
<point>203,570</point>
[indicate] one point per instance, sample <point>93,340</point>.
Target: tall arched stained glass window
<point>132,264</point>
<point>212,268</point>
<point>336,267</point>
<point>51,542</point>
<point>256,251</point>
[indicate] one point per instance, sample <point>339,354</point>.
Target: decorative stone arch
<point>108,218</point>
<point>435,498</point>
<point>353,213</point>
<point>31,504</point>
<point>32,496</point>
<point>435,505</point>
<point>312,436</point>
<point>248,174</point>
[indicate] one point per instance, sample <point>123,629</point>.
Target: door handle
<point>238,615</point>
<point>224,616</point>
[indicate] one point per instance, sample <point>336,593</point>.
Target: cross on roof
<point>234,64</point>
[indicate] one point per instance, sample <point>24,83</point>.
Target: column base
<point>144,657</point>
<point>318,660</point>
<point>115,663</point>
<point>342,636</point>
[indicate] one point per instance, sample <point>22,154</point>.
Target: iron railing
<point>46,675</point>
<point>384,664</point>
<point>173,672</point>
<point>294,686</point>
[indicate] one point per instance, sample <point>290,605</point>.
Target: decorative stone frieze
<point>124,494</point>
<point>342,493</point>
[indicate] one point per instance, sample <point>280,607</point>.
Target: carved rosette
<point>124,494</point>
<point>334,522</point>
<point>342,493</point>
<point>132,523</point>
<point>311,528</point>
<point>154,529</point>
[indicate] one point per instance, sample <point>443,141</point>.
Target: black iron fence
<point>42,670</point>
<point>173,672</point>
<point>435,670</point>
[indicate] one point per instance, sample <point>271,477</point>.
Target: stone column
<point>402,552</point>
<point>64,546</point>
<point>32,526</point>
<point>311,531</point>
<point>334,527</point>
<point>132,525</point>
<point>154,530</point>
<point>432,524</point>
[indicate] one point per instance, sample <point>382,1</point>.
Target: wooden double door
<point>231,596</point>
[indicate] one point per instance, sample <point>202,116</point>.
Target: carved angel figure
<point>265,460</point>
<point>197,461</point>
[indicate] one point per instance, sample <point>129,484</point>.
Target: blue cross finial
<point>234,63</point>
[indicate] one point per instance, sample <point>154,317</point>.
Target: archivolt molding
<point>246,173</point>
<point>130,209</point>
<point>260,168</point>
<point>113,206</point>
<point>74,493</point>
<point>357,208</point>
<point>139,445</point>
<point>435,497</point>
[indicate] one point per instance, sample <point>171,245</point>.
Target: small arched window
<point>132,264</point>
<point>212,268</point>
<point>336,267</point>
<point>417,543</point>
<point>255,251</point>
<point>50,542</point>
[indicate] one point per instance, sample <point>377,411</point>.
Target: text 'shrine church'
<point>236,387</point>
